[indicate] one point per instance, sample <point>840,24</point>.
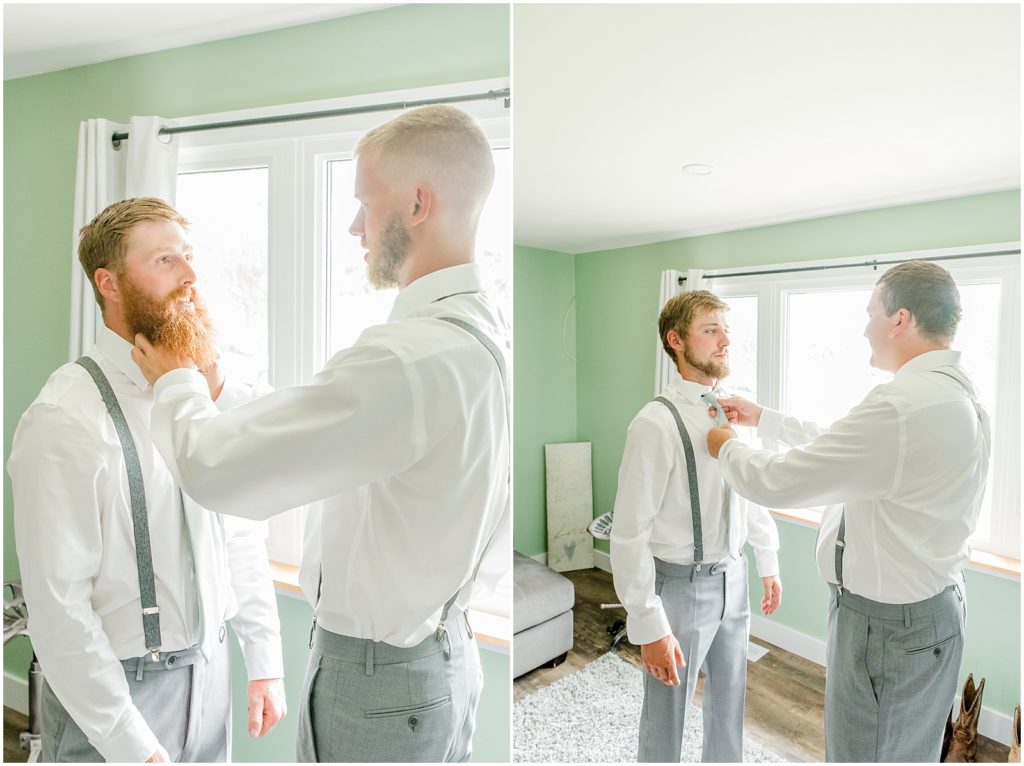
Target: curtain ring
<point>160,136</point>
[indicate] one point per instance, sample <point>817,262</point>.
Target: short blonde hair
<point>928,292</point>
<point>679,311</point>
<point>443,141</point>
<point>103,242</point>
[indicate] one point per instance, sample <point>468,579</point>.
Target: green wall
<point>403,47</point>
<point>616,313</point>
<point>545,381</point>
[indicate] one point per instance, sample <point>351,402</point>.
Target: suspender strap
<point>691,473</point>
<point>492,348</point>
<point>840,547</point>
<point>140,519</point>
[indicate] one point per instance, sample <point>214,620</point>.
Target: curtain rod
<point>492,95</point>
<point>875,264</point>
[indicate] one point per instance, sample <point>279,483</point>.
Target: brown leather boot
<point>964,743</point>
<point>1015,737</point>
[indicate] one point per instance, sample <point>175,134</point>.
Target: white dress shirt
<point>652,508</point>
<point>405,438</point>
<point>76,547</point>
<point>909,463</point>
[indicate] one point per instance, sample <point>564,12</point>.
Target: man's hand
<point>154,361</point>
<point>740,411</point>
<point>160,756</point>
<point>717,437</point>
<point>662,657</point>
<point>266,705</point>
<point>214,379</point>
<point>772,595</point>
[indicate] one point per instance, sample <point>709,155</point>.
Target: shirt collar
<point>119,352</point>
<point>434,286</point>
<point>929,360</point>
<point>688,389</point>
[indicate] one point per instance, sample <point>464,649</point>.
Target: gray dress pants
<point>891,674</point>
<point>368,701</point>
<point>709,614</point>
<point>185,700</point>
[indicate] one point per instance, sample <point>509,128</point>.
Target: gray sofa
<point>542,616</point>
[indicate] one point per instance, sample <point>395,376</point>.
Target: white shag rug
<point>593,716</point>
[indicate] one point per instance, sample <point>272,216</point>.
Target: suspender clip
<point>154,653</point>
<point>442,636</point>
<point>840,544</point>
<point>151,610</point>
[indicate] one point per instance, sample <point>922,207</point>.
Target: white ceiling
<point>802,110</point>
<point>42,37</point>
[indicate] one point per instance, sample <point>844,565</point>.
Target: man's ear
<point>107,284</point>
<point>422,204</point>
<point>674,342</point>
<point>902,321</point>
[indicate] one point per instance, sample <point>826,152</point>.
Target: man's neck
<point>696,376</point>
<point>116,324</point>
<point>917,349</point>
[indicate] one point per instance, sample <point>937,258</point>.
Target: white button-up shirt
<point>652,508</point>
<point>404,437</point>
<point>75,542</point>
<point>909,463</point>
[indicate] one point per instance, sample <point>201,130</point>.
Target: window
<point>797,341</point>
<point>283,279</point>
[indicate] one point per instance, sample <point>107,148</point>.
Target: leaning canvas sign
<point>570,505</point>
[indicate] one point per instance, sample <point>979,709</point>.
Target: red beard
<point>187,332</point>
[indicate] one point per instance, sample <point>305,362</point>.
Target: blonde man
<point>677,547</point>
<point>128,582</point>
<point>404,437</point>
<point>905,470</point>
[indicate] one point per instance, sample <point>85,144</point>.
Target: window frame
<point>296,154</point>
<point>773,290</point>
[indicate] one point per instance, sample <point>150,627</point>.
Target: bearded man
<point>128,582</point>
<point>677,547</point>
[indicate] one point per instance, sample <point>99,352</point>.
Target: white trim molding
<point>15,693</point>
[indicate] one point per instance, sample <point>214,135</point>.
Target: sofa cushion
<point>538,593</point>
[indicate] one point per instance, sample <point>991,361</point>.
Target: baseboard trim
<point>16,693</point>
<point>602,561</point>
<point>992,724</point>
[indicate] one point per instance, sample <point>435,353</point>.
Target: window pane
<point>826,370</point>
<point>742,318</point>
<point>229,225</point>
<point>353,304</point>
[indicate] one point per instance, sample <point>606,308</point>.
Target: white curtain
<point>664,369</point>
<point>145,165</point>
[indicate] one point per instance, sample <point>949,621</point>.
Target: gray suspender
<point>442,630</point>
<point>841,537</point>
<point>691,473</point>
<point>140,519</point>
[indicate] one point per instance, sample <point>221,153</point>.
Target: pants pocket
<point>423,731</point>
<point>411,709</point>
<point>305,746</point>
<point>935,647</point>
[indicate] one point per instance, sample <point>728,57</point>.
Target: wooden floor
<point>14,724</point>
<point>785,693</point>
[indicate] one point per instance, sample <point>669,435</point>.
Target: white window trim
<point>296,154</point>
<point>772,289</point>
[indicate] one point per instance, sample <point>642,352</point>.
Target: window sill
<point>490,628</point>
<point>981,561</point>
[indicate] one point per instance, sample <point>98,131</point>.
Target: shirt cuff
<point>233,394</point>
<point>650,627</point>
<point>769,426</point>
<point>263,660</point>
<point>182,376</point>
<point>767,563</point>
<point>133,745</point>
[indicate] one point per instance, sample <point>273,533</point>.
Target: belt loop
<point>369,656</point>
<point>139,667</point>
<point>906,616</point>
<point>693,571</point>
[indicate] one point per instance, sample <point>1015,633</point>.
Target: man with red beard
<point>404,436</point>
<point>128,582</point>
<point>677,547</point>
